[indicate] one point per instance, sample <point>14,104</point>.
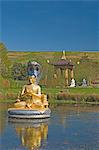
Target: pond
<point>69,128</point>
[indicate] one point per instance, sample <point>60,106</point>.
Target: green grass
<point>52,92</point>
<point>76,90</point>
<point>84,90</point>
<point>58,102</point>
<point>88,69</point>
<point>7,101</point>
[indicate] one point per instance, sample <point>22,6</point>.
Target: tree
<point>4,61</point>
<point>19,71</point>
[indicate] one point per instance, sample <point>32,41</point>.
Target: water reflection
<point>69,128</point>
<point>2,117</point>
<point>32,134</point>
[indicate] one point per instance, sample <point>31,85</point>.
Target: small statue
<point>72,83</point>
<point>84,83</point>
<point>31,95</point>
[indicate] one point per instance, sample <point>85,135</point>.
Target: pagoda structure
<point>65,66</point>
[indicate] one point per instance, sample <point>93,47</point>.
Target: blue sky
<point>50,25</point>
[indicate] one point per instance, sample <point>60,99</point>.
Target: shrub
<point>11,96</point>
<point>6,83</point>
<point>2,96</point>
<point>77,97</point>
<point>92,98</point>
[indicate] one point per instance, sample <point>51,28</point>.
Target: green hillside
<point>88,66</point>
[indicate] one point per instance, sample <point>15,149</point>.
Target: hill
<point>86,64</point>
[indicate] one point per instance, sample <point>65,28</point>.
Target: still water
<point>69,128</point>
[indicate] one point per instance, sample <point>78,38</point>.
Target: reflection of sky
<point>67,129</point>
<point>50,25</point>
<point>9,139</point>
<point>98,28</point>
<point>78,130</point>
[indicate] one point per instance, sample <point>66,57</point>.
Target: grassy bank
<point>75,95</point>
<point>54,102</point>
<point>75,90</point>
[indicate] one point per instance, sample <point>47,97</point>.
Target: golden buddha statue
<point>31,95</point>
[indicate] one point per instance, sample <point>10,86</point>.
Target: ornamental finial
<point>63,56</point>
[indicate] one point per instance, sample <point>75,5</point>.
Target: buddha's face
<point>32,80</point>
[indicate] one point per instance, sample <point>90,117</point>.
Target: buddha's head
<point>32,79</point>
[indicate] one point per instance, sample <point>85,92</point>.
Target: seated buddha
<point>31,94</point>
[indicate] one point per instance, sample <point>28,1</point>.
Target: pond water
<point>69,128</point>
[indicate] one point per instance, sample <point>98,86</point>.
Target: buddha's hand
<point>36,95</point>
<point>26,94</point>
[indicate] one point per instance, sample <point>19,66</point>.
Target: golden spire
<point>63,56</point>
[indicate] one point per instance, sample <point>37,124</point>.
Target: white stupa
<point>72,83</point>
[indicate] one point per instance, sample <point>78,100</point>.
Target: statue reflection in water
<point>33,137</point>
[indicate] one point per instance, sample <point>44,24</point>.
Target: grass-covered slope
<point>88,66</point>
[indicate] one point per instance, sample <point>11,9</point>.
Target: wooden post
<point>66,77</point>
<point>55,73</point>
<point>55,76</point>
<point>72,74</point>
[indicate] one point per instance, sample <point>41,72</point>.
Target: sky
<point>57,25</point>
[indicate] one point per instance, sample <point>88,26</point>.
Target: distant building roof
<point>62,63</point>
